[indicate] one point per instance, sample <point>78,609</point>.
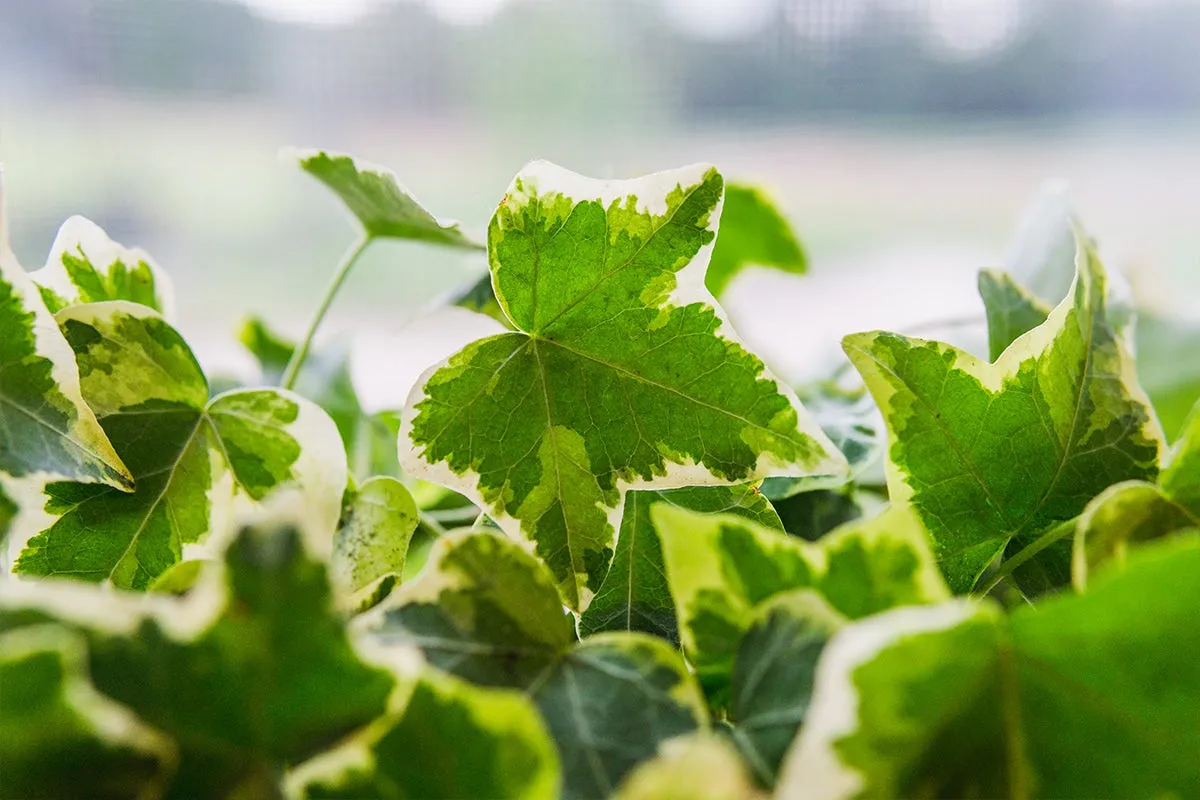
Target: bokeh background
<point>903,137</point>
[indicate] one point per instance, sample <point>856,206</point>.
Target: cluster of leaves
<point>605,552</point>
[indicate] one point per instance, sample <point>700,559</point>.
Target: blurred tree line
<point>591,60</point>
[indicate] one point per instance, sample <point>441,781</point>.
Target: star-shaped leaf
<point>753,233</point>
<point>85,266</point>
<point>45,426</point>
<point>1089,695</point>
<point>992,455</point>
<point>452,740</point>
<point>61,738</point>
<point>191,457</point>
<point>251,672</point>
<point>635,595</point>
<point>487,611</point>
<point>621,373</point>
<point>378,201</point>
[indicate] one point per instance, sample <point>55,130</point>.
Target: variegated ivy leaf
<point>1137,511</point>
<point>992,455</point>
<point>252,672</point>
<point>481,298</point>
<point>620,374</point>
<point>85,266</point>
<point>635,595</point>
<point>452,740</point>
<point>372,540</point>
<point>721,568</point>
<point>487,611</point>
<point>375,197</point>
<point>753,233</point>
<point>1089,695</point>
<point>61,738</point>
<point>191,457</point>
<point>698,767</point>
<point>45,427</point>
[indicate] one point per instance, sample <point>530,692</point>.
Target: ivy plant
<point>606,553</point>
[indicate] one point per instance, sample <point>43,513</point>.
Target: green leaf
<point>478,296</point>
<point>192,458</point>
<point>992,455</point>
<point>811,515</point>
<point>372,541</point>
<point>487,611</point>
<point>451,741</point>
<point>699,767</point>
<point>45,426</point>
<point>1076,698</point>
<point>773,674</point>
<point>1012,311</point>
<point>722,568</point>
<point>271,349</point>
<point>619,376</point>
<point>635,595</point>
<point>249,673</point>
<point>1136,511</point>
<point>85,266</point>
<point>59,737</point>
<point>376,199</point>
<point>753,233</point>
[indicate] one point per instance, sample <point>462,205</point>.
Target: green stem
<point>339,277</point>
<point>1058,532</point>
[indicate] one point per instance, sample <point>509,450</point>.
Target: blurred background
<point>903,138</point>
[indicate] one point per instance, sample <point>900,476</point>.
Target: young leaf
<point>1136,511</point>
<point>722,568</point>
<point>451,741</point>
<point>699,767</point>
<point>372,542</point>
<point>1076,698</point>
<point>152,399</point>
<point>85,266</point>
<point>992,455</point>
<point>619,376</point>
<point>635,595</point>
<point>753,232</point>
<point>375,197</point>
<point>1012,311</point>
<point>45,427</point>
<point>487,611</point>
<point>59,737</point>
<point>249,674</point>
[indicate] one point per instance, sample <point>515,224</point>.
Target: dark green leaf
<point>635,595</point>
<point>487,611</point>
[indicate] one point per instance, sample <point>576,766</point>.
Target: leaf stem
<point>292,372</point>
<point>1058,532</point>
